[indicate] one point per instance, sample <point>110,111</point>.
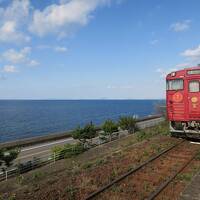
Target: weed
<point>198,156</point>
<point>71,191</point>
<point>87,165</point>
<point>131,142</point>
<point>145,153</point>
<point>147,187</point>
<point>37,175</point>
<point>185,177</point>
<point>141,136</point>
<point>113,174</point>
<point>12,197</point>
<point>156,148</point>
<point>20,179</point>
<point>100,162</point>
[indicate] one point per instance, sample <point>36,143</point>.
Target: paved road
<point>44,149</point>
<point>40,150</point>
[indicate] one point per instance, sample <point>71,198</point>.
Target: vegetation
<point>8,156</point>
<point>109,127</point>
<point>85,134</point>
<point>162,128</point>
<point>128,123</point>
<point>68,150</point>
<point>185,177</point>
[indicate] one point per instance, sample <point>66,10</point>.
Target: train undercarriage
<point>190,129</point>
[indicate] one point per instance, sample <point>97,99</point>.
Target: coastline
<point>54,136</point>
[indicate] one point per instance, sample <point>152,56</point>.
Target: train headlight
<point>173,74</point>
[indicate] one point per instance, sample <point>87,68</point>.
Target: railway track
<point>150,178</point>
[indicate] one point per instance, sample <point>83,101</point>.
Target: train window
<point>176,84</point>
<point>194,86</point>
<point>193,72</point>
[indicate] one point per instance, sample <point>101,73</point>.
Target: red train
<point>183,102</point>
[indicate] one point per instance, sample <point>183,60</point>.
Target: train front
<point>183,102</point>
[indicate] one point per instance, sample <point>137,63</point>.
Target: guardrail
<point>36,162</point>
<point>30,165</point>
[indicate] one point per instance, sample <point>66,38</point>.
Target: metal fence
<point>36,162</point>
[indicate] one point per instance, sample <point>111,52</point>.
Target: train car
<point>183,102</point>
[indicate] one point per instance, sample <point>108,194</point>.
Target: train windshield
<point>176,84</point>
<point>194,86</point>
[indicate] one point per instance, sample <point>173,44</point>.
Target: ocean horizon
<point>25,118</point>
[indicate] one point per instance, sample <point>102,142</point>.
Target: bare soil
<point>142,183</point>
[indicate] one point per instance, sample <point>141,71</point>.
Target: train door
<point>194,98</point>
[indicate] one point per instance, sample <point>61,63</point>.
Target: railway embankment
<point>79,176</point>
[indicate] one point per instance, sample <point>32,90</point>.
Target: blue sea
<point>21,119</point>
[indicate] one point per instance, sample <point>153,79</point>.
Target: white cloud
<point>9,33</point>
<point>60,49</point>
<point>181,26</point>
<point>19,57</point>
<point>62,18</point>
<point>14,56</point>
<point>9,69</point>
<point>33,63</point>
<point>12,20</point>
<point>18,11</point>
<point>192,54</point>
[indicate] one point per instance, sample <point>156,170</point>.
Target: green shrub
<point>84,134</point>
<point>109,127</point>
<point>68,150</point>
<point>8,155</point>
<point>128,123</point>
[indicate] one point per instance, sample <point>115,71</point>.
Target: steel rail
<point>102,189</point>
<point>154,194</point>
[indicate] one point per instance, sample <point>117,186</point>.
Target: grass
<point>162,129</point>
<point>20,180</point>
<point>198,156</point>
<point>87,165</point>
<point>37,175</point>
<point>71,191</point>
<point>147,187</point>
<point>113,174</point>
<point>185,177</point>
<point>156,148</point>
<point>100,162</point>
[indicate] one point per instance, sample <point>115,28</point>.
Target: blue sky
<point>91,49</point>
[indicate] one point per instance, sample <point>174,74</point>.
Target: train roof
<point>181,73</point>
